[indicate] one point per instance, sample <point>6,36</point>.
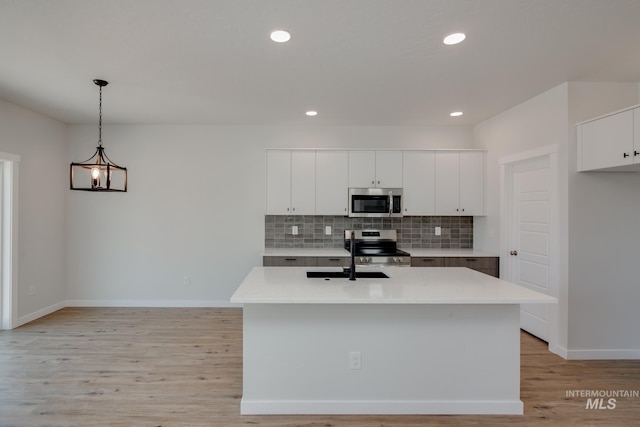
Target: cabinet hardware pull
<point>472,259</point>
<point>334,259</point>
<point>625,155</point>
<point>291,259</point>
<point>427,259</point>
<point>636,153</point>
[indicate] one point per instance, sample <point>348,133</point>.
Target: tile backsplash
<point>413,231</point>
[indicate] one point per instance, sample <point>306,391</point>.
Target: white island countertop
<point>405,285</point>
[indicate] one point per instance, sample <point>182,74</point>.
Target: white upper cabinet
<point>332,182</point>
<point>472,182</point>
<point>316,182</point>
<point>369,169</point>
<point>459,183</point>
<point>303,182</point>
<point>278,182</point>
<point>611,142</point>
<point>389,169</point>
<point>419,181</point>
<point>362,169</point>
<point>290,182</point>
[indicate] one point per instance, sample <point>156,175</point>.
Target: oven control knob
<point>361,260</point>
<point>396,260</point>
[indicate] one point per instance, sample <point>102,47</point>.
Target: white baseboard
<point>344,407</point>
<point>40,313</point>
<point>150,303</point>
<point>559,350</point>
<point>605,354</point>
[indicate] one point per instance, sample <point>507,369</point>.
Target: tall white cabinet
<point>459,183</point>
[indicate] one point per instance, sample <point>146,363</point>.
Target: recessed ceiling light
<point>456,114</point>
<point>280,36</point>
<point>454,38</point>
<point>311,113</point>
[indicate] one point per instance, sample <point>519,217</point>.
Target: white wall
<point>599,222</point>
<point>538,122</point>
<point>195,206</point>
<point>43,184</point>
<point>604,229</point>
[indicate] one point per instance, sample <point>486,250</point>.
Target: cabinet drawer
<point>427,262</point>
<point>325,261</point>
<point>472,262</point>
<point>293,261</point>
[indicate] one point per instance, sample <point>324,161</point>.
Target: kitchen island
<point>423,341</point>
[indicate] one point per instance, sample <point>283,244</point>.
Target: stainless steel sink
<point>345,274</point>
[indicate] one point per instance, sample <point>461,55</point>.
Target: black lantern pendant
<point>98,173</point>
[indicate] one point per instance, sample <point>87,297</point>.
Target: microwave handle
<point>390,202</point>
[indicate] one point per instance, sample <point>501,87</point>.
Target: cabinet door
<point>447,183</point>
<point>303,182</point>
<point>471,183</point>
<point>427,262</point>
<point>418,179</point>
<point>636,135</point>
<point>389,169</point>
<point>332,182</point>
<point>278,182</point>
<point>362,169</point>
<point>282,261</point>
<point>607,142</point>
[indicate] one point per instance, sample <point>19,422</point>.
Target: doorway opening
<point>8,239</point>
<point>530,234</point>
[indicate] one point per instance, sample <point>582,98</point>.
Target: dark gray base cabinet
<point>289,261</point>
<point>305,261</point>
<point>487,265</point>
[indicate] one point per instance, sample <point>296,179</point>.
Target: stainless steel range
<point>376,247</point>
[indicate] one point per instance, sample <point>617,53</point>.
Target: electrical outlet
<point>327,230</point>
<point>438,231</point>
<point>186,280</point>
<point>294,230</point>
<point>355,360</point>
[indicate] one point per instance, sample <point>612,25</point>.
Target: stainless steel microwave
<point>375,202</point>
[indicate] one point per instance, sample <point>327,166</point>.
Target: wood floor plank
<point>183,367</point>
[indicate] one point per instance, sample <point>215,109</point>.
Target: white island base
<point>414,357</point>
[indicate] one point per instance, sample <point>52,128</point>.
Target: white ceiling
<point>358,62</point>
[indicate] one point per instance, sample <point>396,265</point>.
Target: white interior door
<point>530,238</point>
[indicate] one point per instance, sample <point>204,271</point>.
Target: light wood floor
<point>183,367</point>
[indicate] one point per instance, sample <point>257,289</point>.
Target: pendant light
<point>98,173</point>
